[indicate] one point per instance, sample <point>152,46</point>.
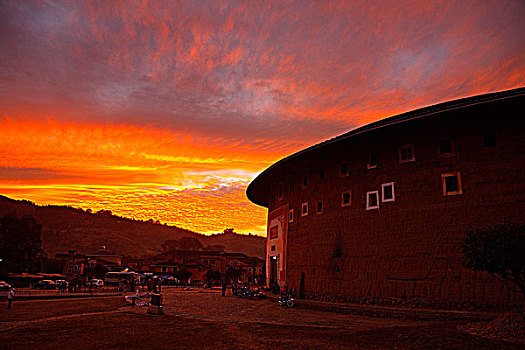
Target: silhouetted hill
<point>66,228</point>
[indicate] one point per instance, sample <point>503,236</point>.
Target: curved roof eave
<point>254,196</point>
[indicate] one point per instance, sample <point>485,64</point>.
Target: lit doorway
<point>273,272</point>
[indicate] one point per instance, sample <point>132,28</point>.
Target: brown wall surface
<point>407,251</point>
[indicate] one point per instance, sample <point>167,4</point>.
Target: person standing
<point>136,297</point>
<point>10,298</point>
<point>224,285</point>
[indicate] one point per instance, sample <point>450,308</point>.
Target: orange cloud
<point>168,109</point>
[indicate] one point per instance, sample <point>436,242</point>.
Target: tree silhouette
<point>185,243</point>
<point>213,275</point>
<point>233,273</point>
<point>183,275</point>
<point>499,251</point>
<point>20,244</point>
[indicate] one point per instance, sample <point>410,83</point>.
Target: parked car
<point>62,284</point>
<point>45,284</point>
<point>4,285</point>
<point>96,283</point>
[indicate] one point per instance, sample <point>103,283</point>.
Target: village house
<point>198,263</point>
<point>95,264</point>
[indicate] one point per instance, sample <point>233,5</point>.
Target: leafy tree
<point>185,243</point>
<point>217,247</point>
<point>183,275</point>
<point>190,243</point>
<point>20,244</point>
<point>233,274</point>
<point>213,275</point>
<point>498,250</point>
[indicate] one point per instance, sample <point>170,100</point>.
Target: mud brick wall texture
<point>408,250</point>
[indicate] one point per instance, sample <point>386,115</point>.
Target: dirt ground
<point>208,321</point>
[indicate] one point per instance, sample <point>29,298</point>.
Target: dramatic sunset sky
<point>168,109</point>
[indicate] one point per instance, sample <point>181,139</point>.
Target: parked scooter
<point>286,299</point>
<point>241,290</point>
<point>256,293</point>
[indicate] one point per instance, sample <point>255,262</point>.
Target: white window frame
<point>383,192</point>
<point>371,166</point>
<point>317,208</point>
<point>452,149</point>
<point>368,206</point>
<point>343,204</point>
<point>307,181</point>
<point>341,174</point>
<point>457,174</point>
<point>408,145</point>
<point>302,209</point>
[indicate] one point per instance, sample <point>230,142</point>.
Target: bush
<point>498,250</point>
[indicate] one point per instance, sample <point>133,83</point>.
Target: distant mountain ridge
<point>66,228</point>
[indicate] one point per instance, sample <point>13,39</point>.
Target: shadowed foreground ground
<point>239,324</point>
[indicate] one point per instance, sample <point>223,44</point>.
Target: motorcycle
<point>241,290</point>
<point>286,299</point>
<point>256,293</point>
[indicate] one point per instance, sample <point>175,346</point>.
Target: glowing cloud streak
<point>166,110</point>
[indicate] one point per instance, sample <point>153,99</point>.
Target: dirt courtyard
<point>195,320</point>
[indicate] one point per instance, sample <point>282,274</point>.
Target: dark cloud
<point>296,70</point>
<point>31,174</point>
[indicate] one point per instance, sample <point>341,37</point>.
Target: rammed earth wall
<point>408,250</point>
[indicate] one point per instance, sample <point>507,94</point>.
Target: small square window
<point>372,200</point>
<point>490,138</point>
<point>406,153</point>
<point>372,161</point>
<point>305,181</point>
<point>387,192</point>
<point>212,262</point>
<point>321,175</point>
<point>304,209</point>
<point>272,248</point>
<point>69,270</point>
<point>445,147</point>
<point>274,232</point>
<point>344,170</point>
<point>290,215</point>
<point>231,262</point>
<point>451,184</point>
<point>346,199</point>
<point>320,207</point>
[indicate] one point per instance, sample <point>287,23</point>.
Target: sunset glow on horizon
<point>167,110</point>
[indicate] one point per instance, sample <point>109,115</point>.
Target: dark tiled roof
<point>256,195</point>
